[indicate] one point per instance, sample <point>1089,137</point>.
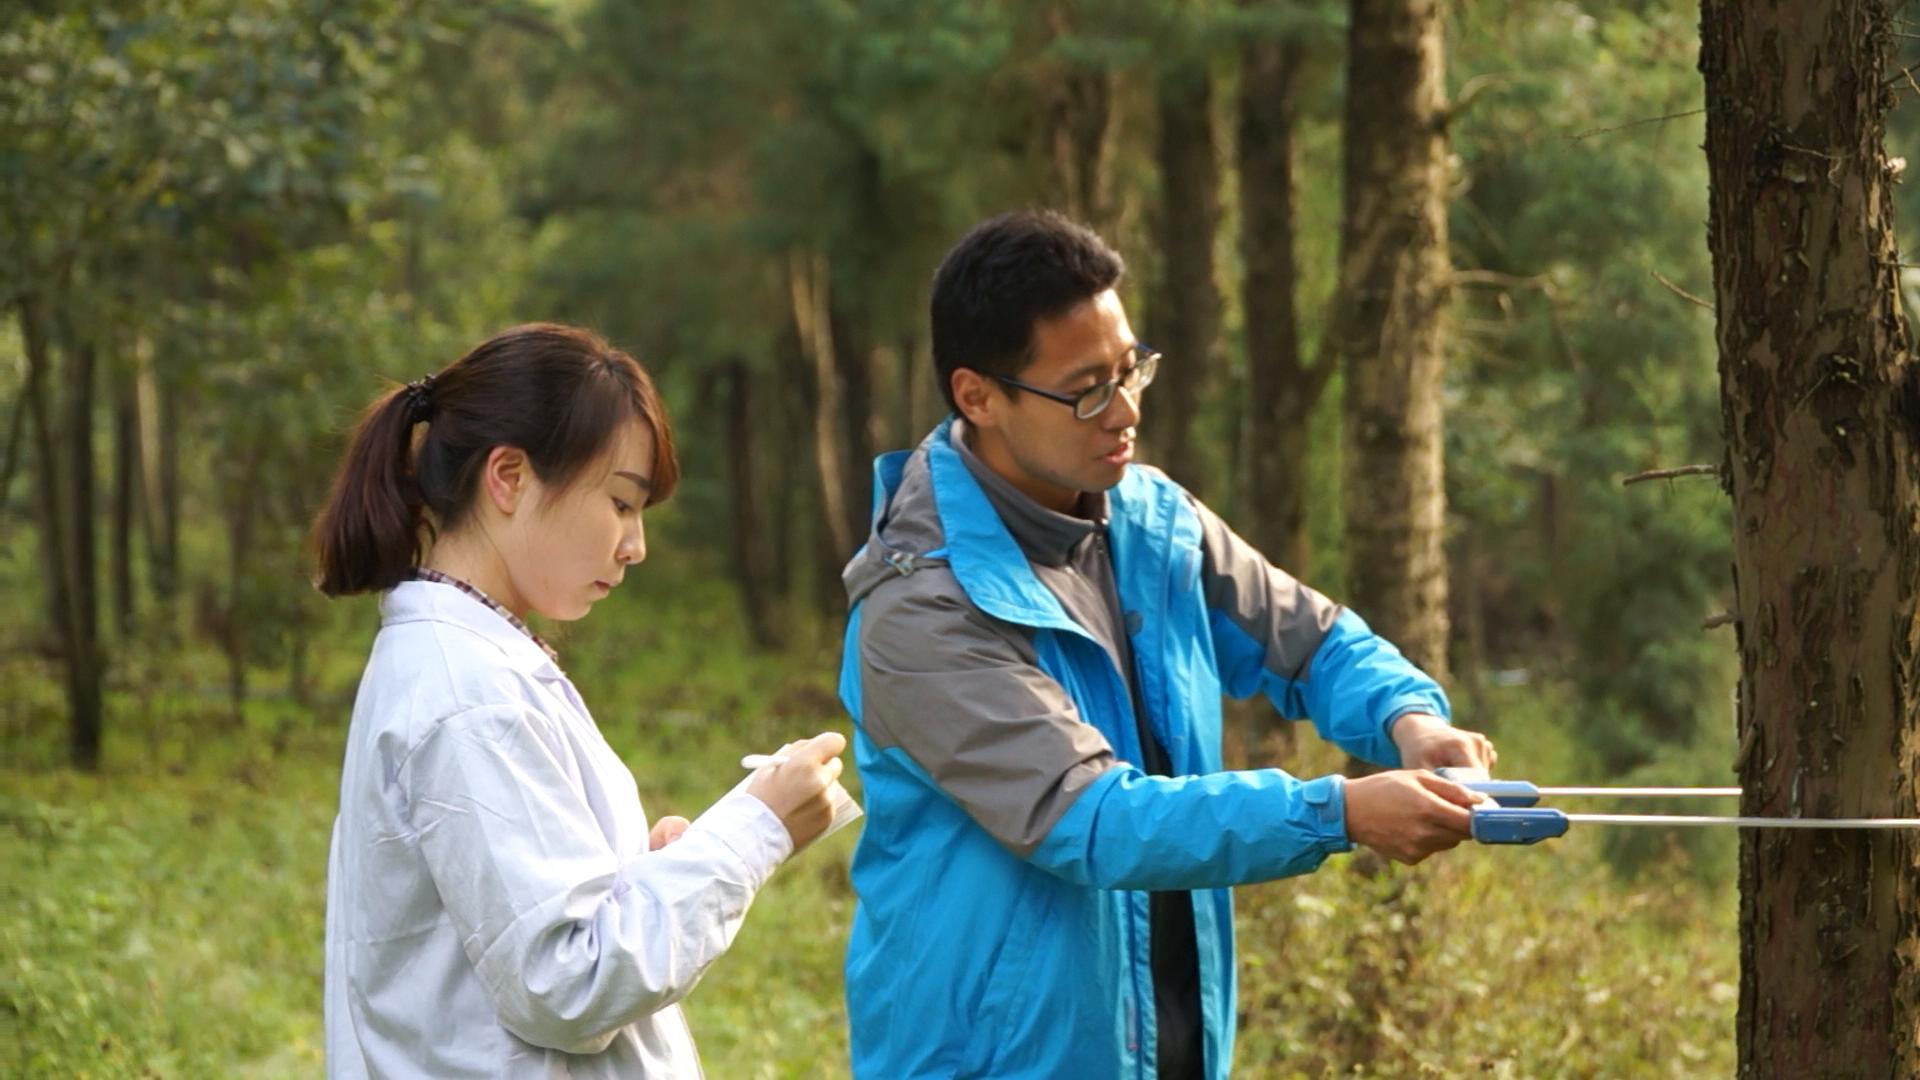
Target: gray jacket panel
<point>964,696</point>
<point>1268,604</point>
<point>961,692</point>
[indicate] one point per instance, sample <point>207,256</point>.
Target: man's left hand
<point>1428,742</point>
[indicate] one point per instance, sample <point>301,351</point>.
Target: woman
<point>496,904</point>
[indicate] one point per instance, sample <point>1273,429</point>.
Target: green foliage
<point>1576,366</point>
<point>1539,961</point>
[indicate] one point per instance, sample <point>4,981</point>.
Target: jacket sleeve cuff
<point>1326,802</point>
<point>1417,703</point>
<point>1430,704</point>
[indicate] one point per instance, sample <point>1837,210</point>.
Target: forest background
<point>228,224</point>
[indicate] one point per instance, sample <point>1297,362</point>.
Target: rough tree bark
<point>1283,390</point>
<point>1823,456</point>
<point>1388,323</point>
<point>1184,309</point>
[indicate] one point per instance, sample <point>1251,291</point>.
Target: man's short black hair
<point>1003,277</point>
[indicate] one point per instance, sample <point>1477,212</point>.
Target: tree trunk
<point>1185,305</point>
<point>1394,280</point>
<point>854,359</point>
<point>64,486</point>
<point>16,427</point>
<point>81,533</point>
<point>1282,390</point>
<point>241,521</point>
<point>1821,405</point>
<point>807,280</point>
<point>1386,329</point>
<point>126,490</point>
<point>788,417</point>
<point>752,558</point>
<point>1080,125</point>
<point>919,402</point>
<point>160,509</point>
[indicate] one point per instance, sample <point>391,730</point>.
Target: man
<point>1040,637</point>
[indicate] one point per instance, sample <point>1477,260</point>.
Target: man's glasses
<point>1094,400</point>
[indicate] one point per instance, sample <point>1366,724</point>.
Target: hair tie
<point>420,399</point>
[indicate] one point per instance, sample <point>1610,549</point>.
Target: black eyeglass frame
<point>1146,364</point>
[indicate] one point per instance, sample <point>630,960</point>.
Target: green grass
<point>164,917</point>
<point>1549,960</point>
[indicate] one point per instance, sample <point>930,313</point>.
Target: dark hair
<point>558,393</point>
<point>1003,277</point>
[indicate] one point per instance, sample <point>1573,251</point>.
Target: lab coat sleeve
<point>570,941</point>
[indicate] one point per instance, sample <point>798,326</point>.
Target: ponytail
<point>558,393</point>
<point>368,535</point>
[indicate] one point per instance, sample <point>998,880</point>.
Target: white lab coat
<point>492,908</point>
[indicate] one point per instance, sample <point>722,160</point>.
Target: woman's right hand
<point>797,791</point>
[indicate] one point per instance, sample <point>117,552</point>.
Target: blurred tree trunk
<point>16,429</point>
<point>1185,305</point>
<point>788,416</point>
<point>920,400</point>
<point>64,486</point>
<point>160,507</point>
<point>126,493</point>
<point>1386,328</point>
<point>1821,403</point>
<point>1079,125</point>
<point>752,557</point>
<point>82,534</point>
<point>807,280</point>
<point>854,355</point>
<point>1394,282</point>
<point>231,619</point>
<point>1282,389</point>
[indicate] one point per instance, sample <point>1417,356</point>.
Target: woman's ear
<point>506,478</point>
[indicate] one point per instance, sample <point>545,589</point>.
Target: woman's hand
<point>797,791</point>
<point>666,831</point>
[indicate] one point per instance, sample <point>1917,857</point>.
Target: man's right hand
<point>1408,814</point>
<point>796,791</point>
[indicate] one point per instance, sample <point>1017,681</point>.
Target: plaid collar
<point>423,573</point>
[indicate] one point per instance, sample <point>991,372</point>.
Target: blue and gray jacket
<point>1010,850</point>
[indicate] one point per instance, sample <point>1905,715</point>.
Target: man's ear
<point>506,478</point>
<point>974,395</point>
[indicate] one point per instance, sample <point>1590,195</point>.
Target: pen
<point>759,761</point>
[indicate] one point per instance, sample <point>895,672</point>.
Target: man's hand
<point>1408,815</point>
<point>1428,742</point>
